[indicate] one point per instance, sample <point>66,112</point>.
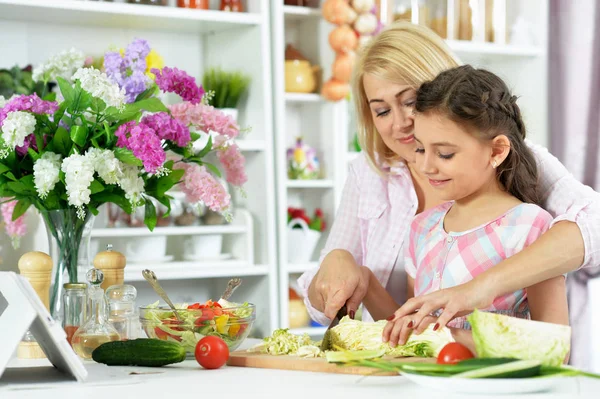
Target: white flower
<point>98,85</point>
<point>105,163</point>
<point>63,64</point>
<point>3,101</point>
<point>79,174</point>
<point>45,173</point>
<point>132,184</point>
<point>16,127</point>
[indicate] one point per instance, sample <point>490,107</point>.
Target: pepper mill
<point>112,264</point>
<point>36,267</point>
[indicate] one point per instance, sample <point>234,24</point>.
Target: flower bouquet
<point>106,137</point>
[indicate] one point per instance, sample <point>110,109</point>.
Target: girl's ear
<point>500,150</point>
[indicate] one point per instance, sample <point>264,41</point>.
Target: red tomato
<point>211,352</point>
<point>194,306</point>
<point>207,314</point>
<point>453,353</point>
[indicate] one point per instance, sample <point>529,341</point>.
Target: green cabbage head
<point>356,335</point>
<point>497,335</point>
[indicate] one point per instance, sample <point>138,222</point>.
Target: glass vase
<point>69,243</point>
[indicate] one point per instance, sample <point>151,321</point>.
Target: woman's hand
<point>455,301</point>
<point>397,331</point>
<point>339,281</point>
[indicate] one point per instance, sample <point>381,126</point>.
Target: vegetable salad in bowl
<point>228,320</point>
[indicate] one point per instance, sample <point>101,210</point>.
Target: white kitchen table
<point>187,380</point>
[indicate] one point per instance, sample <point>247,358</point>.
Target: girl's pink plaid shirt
<point>437,259</point>
<point>375,213</point>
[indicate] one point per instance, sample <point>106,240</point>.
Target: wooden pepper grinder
<point>37,268</point>
<point>112,265</point>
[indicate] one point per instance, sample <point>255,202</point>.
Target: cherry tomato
<point>453,353</point>
<point>211,352</point>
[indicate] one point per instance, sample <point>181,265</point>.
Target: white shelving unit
<point>321,124</point>
<point>192,40</point>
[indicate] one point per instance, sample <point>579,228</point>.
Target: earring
<point>494,164</point>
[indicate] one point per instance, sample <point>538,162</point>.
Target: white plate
<point>163,259</point>
<point>215,258</point>
<point>486,385</point>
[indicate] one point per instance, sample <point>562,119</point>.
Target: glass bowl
<point>232,324</point>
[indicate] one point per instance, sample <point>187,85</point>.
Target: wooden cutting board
<point>286,362</point>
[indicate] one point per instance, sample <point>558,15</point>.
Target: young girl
<point>470,147</point>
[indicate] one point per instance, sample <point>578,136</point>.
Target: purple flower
<point>129,72</point>
<point>30,103</point>
<point>168,128</point>
<point>144,143</point>
<point>173,80</point>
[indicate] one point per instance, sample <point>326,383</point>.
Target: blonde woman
<point>384,191</point>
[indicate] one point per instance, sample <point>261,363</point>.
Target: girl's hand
<point>455,301</point>
<point>397,331</point>
<point>339,281</point>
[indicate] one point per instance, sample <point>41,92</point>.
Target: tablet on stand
<point>25,311</point>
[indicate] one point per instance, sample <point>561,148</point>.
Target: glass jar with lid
<point>122,313</point>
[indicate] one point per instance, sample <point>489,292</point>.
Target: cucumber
<point>139,352</point>
<point>515,369</point>
<point>486,361</point>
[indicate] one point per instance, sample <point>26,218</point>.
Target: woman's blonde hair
<point>403,53</point>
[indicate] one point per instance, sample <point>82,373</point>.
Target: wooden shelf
<point>190,270</point>
<point>476,48</point>
<point>121,15</point>
<point>317,183</point>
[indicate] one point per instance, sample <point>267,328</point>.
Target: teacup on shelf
<point>146,249</point>
<point>205,246</point>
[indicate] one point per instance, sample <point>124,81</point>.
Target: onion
<point>342,67</point>
<point>336,11</point>
<point>343,39</point>
<point>334,90</point>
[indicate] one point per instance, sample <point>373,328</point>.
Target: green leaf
<point>166,202</point>
<point>10,176</point>
<point>93,209</point>
<point>98,105</point>
<point>129,112</point>
<point>126,156</point>
<point>52,201</point>
<point>213,169</point>
<point>79,135</point>
<point>62,141</point>
<point>195,136</point>
<point>66,89</point>
<point>149,92</point>
<point>82,100</point>
<point>158,187</point>
<point>176,175</point>
<point>207,148</point>
<point>3,168</point>
<point>96,187</point>
<point>151,105</point>
<point>18,187</point>
<point>20,208</point>
<point>116,198</point>
<point>150,215</point>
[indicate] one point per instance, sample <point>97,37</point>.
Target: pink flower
<point>199,185</point>
<point>168,128</point>
<point>145,144</point>
<point>206,118</point>
<point>30,103</point>
<point>233,161</point>
<point>173,80</point>
<point>16,229</point>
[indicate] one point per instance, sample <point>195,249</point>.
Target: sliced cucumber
<point>350,356</point>
<point>515,369</point>
<point>487,361</point>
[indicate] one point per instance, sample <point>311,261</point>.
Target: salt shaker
<point>37,268</point>
<point>112,264</point>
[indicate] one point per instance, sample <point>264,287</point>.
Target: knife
<point>326,342</point>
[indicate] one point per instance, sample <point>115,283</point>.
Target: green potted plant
<point>228,87</point>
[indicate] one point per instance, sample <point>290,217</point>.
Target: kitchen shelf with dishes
<point>195,41</point>
<point>303,98</point>
<point>123,15</point>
